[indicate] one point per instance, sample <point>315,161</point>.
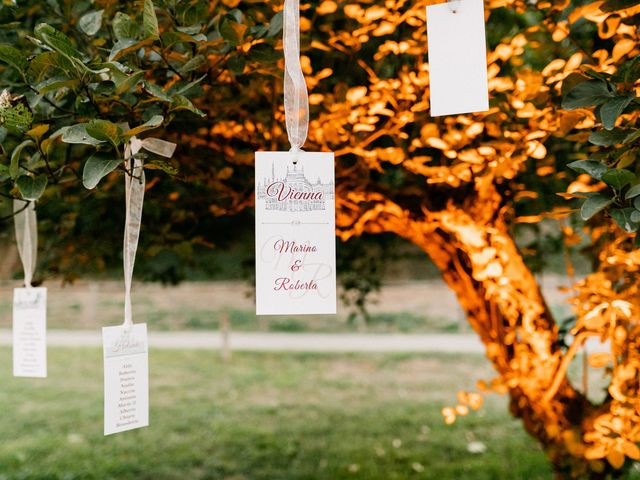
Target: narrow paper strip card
<point>30,332</point>
<point>295,233</point>
<point>126,378</point>
<point>457,57</point>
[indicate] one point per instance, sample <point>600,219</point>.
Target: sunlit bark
<point>471,245</point>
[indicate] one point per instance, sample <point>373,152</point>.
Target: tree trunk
<point>472,247</point>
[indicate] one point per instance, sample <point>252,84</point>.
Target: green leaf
<point>153,122</point>
<point>607,138</point>
<point>123,47</point>
<point>51,64</point>
<point>77,134</point>
<point>622,217</point>
<point>626,158</point>
<point>612,5</point>
<point>181,102</point>
<point>593,205</point>
<point>634,191</point>
<point>636,203</point>
<point>618,178</point>
<point>635,216</point>
<point>56,40</point>
<point>264,53</point>
<point>120,74</point>
<point>232,31</point>
<point>192,13</point>
<point>91,22</point>
<point>31,188</point>
<point>587,94</point>
<point>157,92</point>
<point>106,88</point>
<point>14,166</point>
<point>632,137</point>
<point>610,111</point>
<point>193,64</point>
<point>182,89</point>
<point>629,71</point>
<point>163,165</point>
<point>124,28</point>
<point>171,38</point>
<point>236,64</point>
<point>570,82</point>
<point>235,14</point>
<point>592,168</point>
<point>105,130</point>
<point>257,31</point>
<point>96,168</point>
<point>123,85</point>
<point>275,26</point>
<point>150,21</point>
<point>56,83</point>
<point>597,75</point>
<point>13,57</point>
<point>40,65</point>
<point>190,29</point>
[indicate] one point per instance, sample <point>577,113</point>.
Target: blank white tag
<point>30,332</point>
<point>457,57</point>
<point>126,378</point>
<point>295,234</point>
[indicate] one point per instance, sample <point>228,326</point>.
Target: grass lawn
<point>263,416</point>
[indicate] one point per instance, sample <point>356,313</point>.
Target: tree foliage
<point>559,144</point>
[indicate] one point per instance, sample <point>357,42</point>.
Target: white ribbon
<point>134,199</point>
<point>296,99</point>
<point>26,237</point>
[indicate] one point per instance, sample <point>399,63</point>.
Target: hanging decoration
<point>126,361</point>
<point>295,205</point>
<point>457,57</point>
<point>29,303</point>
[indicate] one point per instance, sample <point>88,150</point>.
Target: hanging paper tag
<point>30,332</point>
<point>457,57</point>
<point>126,378</point>
<point>295,233</point>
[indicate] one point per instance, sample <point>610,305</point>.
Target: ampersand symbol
<point>296,265</point>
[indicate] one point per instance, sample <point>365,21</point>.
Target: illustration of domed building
<point>297,181</point>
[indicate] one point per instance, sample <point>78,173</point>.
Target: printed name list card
<point>126,378</point>
<point>457,57</point>
<point>30,332</point>
<point>295,233</point>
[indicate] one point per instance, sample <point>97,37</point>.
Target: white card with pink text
<point>295,233</point>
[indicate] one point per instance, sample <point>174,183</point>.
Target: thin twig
<point>46,99</point>
<point>22,209</point>
<point>169,66</point>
